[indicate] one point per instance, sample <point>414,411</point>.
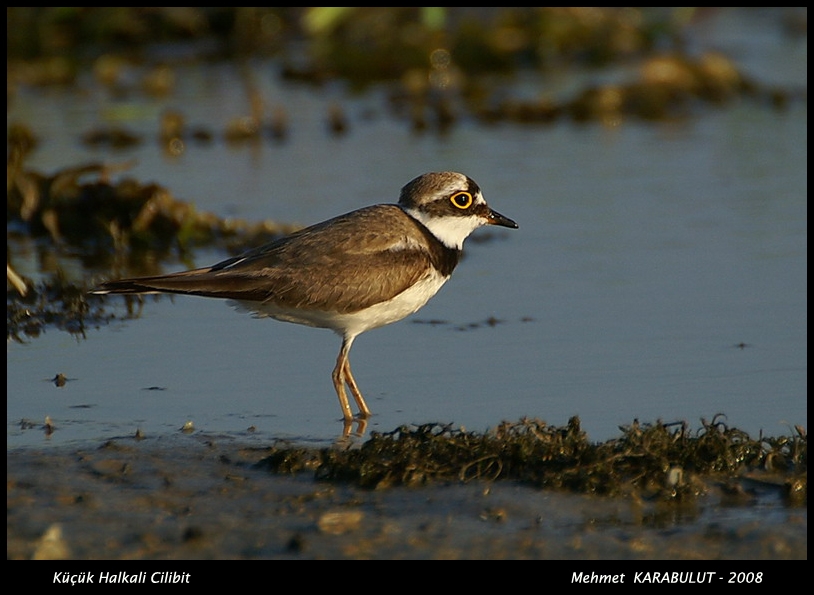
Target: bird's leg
<point>364,411</point>
<point>338,377</point>
<point>341,375</point>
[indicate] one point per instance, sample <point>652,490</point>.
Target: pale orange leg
<point>338,377</point>
<point>364,410</point>
<point>343,374</point>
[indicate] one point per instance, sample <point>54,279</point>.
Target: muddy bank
<point>193,497</point>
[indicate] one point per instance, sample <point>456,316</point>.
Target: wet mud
<point>205,497</point>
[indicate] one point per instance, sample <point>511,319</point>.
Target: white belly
<point>398,307</point>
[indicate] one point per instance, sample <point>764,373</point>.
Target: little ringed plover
<point>350,274</point>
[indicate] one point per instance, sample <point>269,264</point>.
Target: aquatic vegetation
<point>658,461</point>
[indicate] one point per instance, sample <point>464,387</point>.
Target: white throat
<point>450,231</point>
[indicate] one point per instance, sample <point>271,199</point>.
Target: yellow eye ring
<point>462,200</point>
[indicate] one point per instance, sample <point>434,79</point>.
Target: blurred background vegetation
<point>359,43</point>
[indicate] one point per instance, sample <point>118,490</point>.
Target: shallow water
<point>659,271</point>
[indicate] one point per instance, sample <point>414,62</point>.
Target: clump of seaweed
<point>54,302</point>
<point>84,208</point>
<point>659,461</point>
<point>123,226</point>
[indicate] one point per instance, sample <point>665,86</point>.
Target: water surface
<point>659,271</point>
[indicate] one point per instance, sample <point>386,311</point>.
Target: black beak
<point>495,218</point>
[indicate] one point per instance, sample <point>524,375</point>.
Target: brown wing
<point>343,264</point>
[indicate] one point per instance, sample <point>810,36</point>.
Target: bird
<point>355,272</point>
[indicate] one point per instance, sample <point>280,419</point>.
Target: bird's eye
<point>462,200</point>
